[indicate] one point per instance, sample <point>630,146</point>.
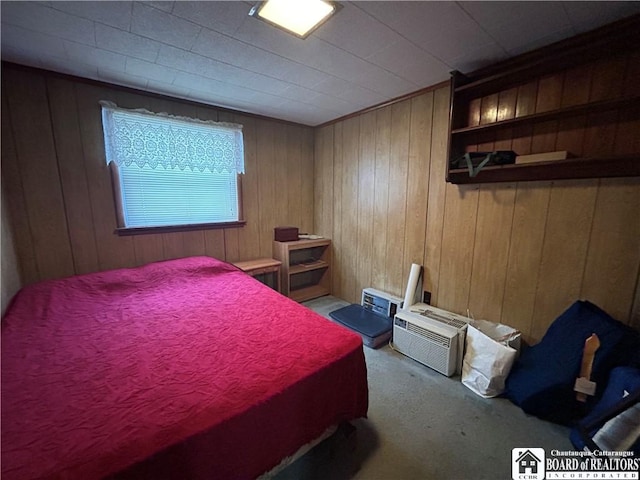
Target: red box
<point>285,234</point>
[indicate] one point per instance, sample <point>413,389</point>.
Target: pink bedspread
<point>190,358</point>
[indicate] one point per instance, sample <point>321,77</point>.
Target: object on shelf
<point>602,167</point>
<point>475,161</point>
<point>285,234</point>
<point>543,157</point>
<point>309,236</point>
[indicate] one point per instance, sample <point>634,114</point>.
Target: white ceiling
<point>214,53</point>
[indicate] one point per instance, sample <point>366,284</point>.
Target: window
<point>173,171</point>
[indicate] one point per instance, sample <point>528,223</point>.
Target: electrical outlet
<point>426,298</point>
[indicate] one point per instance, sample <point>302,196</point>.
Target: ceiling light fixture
<point>298,17</point>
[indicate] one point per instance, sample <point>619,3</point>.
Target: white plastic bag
<point>491,349</point>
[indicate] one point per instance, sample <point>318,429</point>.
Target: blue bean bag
<point>614,423</point>
<point>541,381</point>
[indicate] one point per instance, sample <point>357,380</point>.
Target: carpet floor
<point>423,425</point>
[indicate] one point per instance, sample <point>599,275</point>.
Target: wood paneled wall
<point>59,192</point>
<point>517,253</point>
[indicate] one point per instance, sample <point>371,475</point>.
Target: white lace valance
<point>159,139</point>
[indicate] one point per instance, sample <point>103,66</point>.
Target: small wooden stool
<point>261,266</point>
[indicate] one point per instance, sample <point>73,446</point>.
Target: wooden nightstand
<point>261,267</point>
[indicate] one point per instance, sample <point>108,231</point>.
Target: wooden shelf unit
<point>306,268</point>
<point>581,95</point>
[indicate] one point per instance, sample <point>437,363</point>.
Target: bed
<point>186,368</point>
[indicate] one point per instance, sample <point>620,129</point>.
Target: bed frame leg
<point>350,435</point>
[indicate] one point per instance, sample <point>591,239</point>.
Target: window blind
<point>173,170</point>
<point>153,197</point>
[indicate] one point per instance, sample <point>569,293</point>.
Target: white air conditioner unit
<point>431,336</point>
<point>379,302</point>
